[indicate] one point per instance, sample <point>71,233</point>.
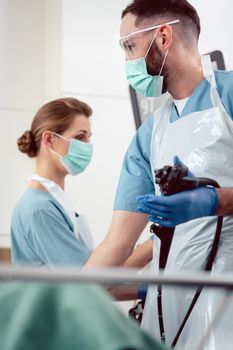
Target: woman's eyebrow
<point>81,131</point>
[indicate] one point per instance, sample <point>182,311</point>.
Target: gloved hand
<point>177,162</point>
<point>170,211</point>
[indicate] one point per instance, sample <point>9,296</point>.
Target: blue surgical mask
<point>139,78</point>
<point>78,157</point>
<point>141,81</point>
<point>136,69</point>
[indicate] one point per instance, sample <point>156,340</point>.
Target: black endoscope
<point>172,180</point>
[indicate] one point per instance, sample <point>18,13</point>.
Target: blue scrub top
<point>136,177</point>
<point>43,234</point>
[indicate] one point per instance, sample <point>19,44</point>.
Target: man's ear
<point>165,37</point>
<point>47,138</point>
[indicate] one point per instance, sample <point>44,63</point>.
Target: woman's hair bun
<point>26,144</point>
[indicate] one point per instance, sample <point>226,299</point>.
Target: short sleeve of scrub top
<point>42,233</point>
<point>136,176</point>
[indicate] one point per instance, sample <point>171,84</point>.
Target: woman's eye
<point>83,138</point>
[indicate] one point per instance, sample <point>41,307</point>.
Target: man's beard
<point>154,61</point>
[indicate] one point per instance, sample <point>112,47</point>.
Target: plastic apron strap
<point>80,224</point>
<point>60,196</point>
<point>208,70</point>
<point>84,232</point>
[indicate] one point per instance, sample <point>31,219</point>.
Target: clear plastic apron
<point>81,227</point>
<point>204,142</point>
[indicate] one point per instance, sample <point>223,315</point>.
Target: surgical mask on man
<point>136,69</point>
<point>141,81</point>
<point>78,157</point>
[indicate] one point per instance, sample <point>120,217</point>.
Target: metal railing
<point>128,277</point>
<point>111,276</point>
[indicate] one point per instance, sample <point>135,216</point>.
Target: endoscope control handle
<point>165,234</point>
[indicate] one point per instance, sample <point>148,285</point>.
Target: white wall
<point>217,27</point>
<point>93,70</point>
<point>21,54</point>
<point>30,74</point>
<point>92,59</point>
<point>50,48</point>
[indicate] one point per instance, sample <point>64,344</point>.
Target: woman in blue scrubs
<point>45,228</point>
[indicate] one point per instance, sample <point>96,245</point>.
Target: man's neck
<point>185,79</point>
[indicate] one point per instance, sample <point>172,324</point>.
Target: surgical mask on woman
<point>78,157</point>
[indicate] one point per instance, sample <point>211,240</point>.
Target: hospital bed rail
<point>112,276</point>
<point>109,277</point>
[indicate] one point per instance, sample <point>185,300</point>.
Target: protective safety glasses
<point>138,44</point>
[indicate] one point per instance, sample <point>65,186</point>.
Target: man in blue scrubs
<point>160,42</point>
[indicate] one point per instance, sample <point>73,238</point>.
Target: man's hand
<point>170,211</point>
